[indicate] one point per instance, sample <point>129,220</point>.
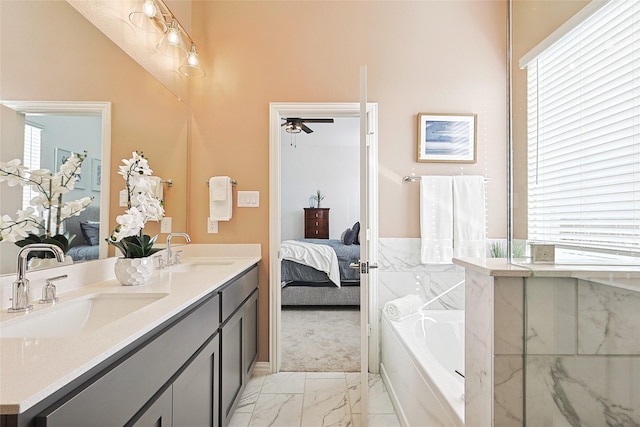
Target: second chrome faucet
<point>170,260</point>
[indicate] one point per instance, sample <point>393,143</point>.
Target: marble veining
<point>579,391</point>
<point>508,311</point>
<point>608,320</point>
<point>508,377</point>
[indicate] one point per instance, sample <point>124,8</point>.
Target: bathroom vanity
<point>178,350</point>
<point>551,344</point>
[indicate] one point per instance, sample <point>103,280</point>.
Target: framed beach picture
<point>447,138</point>
<point>96,174</point>
<point>61,156</point>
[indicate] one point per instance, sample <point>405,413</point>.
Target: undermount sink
<point>76,317</point>
<point>200,265</point>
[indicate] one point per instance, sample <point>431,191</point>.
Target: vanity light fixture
<point>155,16</point>
<point>190,66</point>
<point>171,44</point>
<point>148,17</point>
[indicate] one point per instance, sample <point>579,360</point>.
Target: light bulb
<point>172,37</point>
<point>192,59</point>
<point>149,8</point>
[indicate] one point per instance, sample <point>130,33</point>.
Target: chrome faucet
<point>170,261</point>
<point>20,290</point>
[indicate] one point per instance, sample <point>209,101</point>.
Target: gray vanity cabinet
<point>189,371</point>
<point>238,337</point>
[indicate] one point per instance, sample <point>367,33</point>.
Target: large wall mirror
<point>61,74</point>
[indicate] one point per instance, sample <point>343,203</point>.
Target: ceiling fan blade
<point>317,120</point>
<point>305,128</point>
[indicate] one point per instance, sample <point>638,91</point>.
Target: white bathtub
<point>419,358</point>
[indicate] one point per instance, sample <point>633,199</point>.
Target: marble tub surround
<point>34,368</point>
<point>548,347</point>
<point>400,273</point>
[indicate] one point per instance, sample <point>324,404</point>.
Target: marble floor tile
<point>323,399</point>
<point>326,403</point>
<point>377,420</point>
<point>251,393</point>
<point>277,410</point>
<point>379,401</point>
<point>284,382</point>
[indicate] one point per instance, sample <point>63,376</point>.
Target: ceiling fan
<point>297,124</point>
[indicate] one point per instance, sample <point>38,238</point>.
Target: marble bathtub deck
<point>310,399</point>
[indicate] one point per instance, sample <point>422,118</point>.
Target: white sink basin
<point>195,266</point>
<point>76,317</point>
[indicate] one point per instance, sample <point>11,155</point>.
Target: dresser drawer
<point>316,223</point>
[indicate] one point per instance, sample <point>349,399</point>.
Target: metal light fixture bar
<point>155,15</point>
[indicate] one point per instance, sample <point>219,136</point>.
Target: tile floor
<point>310,399</point>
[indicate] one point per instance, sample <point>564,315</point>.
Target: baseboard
<point>262,368</point>
<point>394,397</point>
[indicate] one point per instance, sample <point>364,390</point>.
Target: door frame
<point>278,111</point>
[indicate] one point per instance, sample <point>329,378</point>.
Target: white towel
<point>157,190</point>
<point>469,232</point>
<point>400,308</point>
<point>220,198</point>
<point>436,219</point>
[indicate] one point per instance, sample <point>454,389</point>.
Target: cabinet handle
<point>316,231</point>
<point>316,223</point>
<point>317,215</point>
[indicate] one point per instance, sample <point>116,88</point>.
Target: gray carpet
<point>324,339</point>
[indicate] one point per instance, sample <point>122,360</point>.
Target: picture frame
<point>447,138</point>
<point>96,174</point>
<point>61,156</point>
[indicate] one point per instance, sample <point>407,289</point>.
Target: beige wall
<point>533,21</point>
<point>428,56</point>
<point>51,53</point>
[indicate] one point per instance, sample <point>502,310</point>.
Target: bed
<point>333,283</point>
<point>86,229</point>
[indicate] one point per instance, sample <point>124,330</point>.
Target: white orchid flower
<point>12,172</point>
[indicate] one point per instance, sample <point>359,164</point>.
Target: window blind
<point>32,146</point>
<point>583,130</point>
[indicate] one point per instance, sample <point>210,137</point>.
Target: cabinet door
<point>159,414</point>
<point>250,326</point>
<point>196,390</point>
<point>231,366</point>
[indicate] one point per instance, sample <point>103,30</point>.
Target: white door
<point>368,239</point>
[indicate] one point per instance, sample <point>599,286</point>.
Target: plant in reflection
<point>142,206</point>
<point>43,220</point>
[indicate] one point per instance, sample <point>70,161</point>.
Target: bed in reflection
<point>85,245</point>
<point>316,272</point>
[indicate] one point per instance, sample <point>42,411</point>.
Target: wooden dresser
<point>316,223</point>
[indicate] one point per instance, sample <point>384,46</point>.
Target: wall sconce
<point>155,16</point>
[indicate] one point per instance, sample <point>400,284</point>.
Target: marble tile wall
<point>400,273</point>
<point>582,353</point>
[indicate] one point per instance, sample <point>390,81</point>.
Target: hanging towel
<point>436,219</point>
<point>157,190</point>
<point>469,235</point>
<point>220,198</point>
<point>400,308</point>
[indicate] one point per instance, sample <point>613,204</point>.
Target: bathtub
<point>419,358</point>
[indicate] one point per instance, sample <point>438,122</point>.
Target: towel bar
<point>233,182</point>
<point>415,178</point>
<point>169,182</point>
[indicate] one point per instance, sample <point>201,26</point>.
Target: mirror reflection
<point>39,41</point>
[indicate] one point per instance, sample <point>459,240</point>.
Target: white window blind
<point>32,145</point>
<point>584,133</point>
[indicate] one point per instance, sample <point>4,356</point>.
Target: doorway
<point>278,111</point>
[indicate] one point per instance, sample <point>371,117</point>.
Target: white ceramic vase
<point>133,271</point>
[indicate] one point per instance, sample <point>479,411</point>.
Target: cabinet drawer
<point>236,291</point>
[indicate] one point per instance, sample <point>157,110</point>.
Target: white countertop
<point>33,368</point>
<point>621,276</point>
